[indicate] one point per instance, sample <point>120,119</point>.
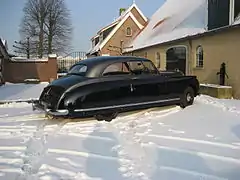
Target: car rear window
<point>79,69</point>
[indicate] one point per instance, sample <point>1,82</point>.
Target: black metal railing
<point>64,63</point>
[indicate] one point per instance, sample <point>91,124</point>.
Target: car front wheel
<point>187,97</point>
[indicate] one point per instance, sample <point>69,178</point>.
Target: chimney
<point>121,11</point>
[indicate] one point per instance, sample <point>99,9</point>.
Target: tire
<point>106,117</point>
<point>187,98</point>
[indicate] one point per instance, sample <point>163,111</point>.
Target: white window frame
<point>127,31</point>
<point>158,60</point>
<point>199,50</point>
<point>145,54</point>
<point>231,12</point>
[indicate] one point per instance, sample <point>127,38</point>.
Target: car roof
<point>97,64</point>
<point>110,59</point>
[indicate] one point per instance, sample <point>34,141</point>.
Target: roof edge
<point>118,26</point>
<point>118,20</point>
<point>107,27</point>
<point>140,12</point>
<point>207,33</point>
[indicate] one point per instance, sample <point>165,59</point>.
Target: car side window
<point>116,69</point>
<point>151,68</point>
<point>141,67</point>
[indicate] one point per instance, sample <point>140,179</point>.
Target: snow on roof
<point>24,59</point>
<point>108,26</point>
<point>95,48</point>
<point>97,35</point>
<point>173,20</point>
<point>237,20</point>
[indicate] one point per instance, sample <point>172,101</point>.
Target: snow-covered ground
<point>21,92</point>
<point>199,142</point>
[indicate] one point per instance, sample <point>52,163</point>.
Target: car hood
<point>67,81</point>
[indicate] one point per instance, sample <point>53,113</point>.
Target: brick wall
<point>16,71</point>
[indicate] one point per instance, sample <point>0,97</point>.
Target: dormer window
<point>101,37</point>
<point>222,13</point>
<point>158,60</point>
<point>96,41</point>
<point>129,31</point>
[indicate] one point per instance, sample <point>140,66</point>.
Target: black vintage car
<point>104,86</point>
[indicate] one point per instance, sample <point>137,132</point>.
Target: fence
<point>64,63</point>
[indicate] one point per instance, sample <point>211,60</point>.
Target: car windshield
<point>79,69</point>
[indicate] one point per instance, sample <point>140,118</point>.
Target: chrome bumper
<point>37,106</point>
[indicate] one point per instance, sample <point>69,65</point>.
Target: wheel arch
<point>195,86</point>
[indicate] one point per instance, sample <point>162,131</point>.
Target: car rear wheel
<point>187,97</point>
<point>106,116</point>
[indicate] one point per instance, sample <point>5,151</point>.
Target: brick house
<point>194,36</point>
<point>111,39</point>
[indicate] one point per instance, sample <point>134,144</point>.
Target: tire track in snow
<point>222,105</point>
<point>36,150</point>
<point>140,166</point>
<point>191,140</point>
<point>190,173</point>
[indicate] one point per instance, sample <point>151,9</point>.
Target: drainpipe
<point>190,60</point>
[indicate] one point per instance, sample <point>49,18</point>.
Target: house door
<point>176,59</point>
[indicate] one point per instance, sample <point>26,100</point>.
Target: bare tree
<point>47,23</point>
<point>58,27</point>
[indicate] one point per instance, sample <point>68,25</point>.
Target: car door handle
<point>132,88</point>
<point>135,78</point>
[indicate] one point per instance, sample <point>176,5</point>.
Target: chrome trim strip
<point>126,105</point>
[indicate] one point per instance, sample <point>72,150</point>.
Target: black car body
<point>106,85</point>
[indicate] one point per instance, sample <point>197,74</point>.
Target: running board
<point>125,105</point>
<point>65,112</point>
